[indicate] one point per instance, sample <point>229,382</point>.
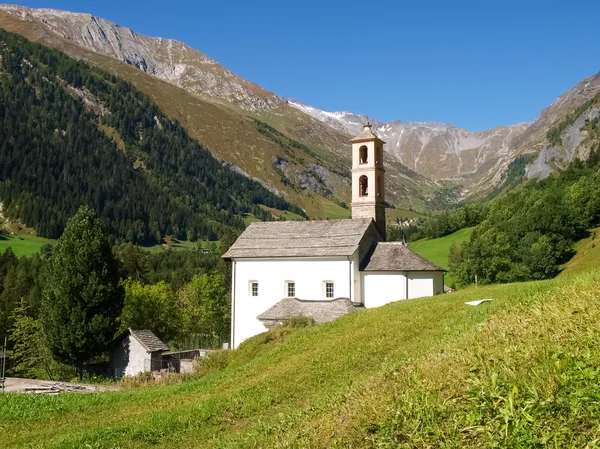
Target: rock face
<point>168,59</point>
<point>435,150</point>
<point>478,159</point>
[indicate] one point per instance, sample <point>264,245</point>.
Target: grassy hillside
<point>23,245</point>
<point>517,372</point>
<point>587,256</point>
<point>438,250</point>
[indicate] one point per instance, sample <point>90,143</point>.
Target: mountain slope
<point>480,161</point>
<point>71,135</point>
<point>167,59</point>
<point>316,176</point>
<point>436,150</point>
<point>516,372</point>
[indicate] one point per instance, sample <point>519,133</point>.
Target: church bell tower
<point>368,195</point>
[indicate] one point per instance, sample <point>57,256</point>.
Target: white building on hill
<point>324,269</point>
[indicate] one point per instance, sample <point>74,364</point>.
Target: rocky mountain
<point>478,161</point>
<point>292,148</point>
<point>168,59</point>
<point>245,126</point>
<point>347,122</point>
<point>436,150</point>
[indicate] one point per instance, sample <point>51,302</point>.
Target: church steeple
<point>368,181</point>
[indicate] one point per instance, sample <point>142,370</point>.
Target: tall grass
<point>521,371</point>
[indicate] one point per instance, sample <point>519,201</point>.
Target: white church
<point>324,269</point>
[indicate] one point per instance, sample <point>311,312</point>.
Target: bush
<point>300,321</point>
<point>215,361</point>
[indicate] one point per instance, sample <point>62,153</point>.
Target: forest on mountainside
<point>72,135</point>
<point>530,232</point>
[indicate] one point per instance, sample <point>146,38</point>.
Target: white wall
<point>438,283</point>
<point>307,273</point>
<point>381,288</point>
<point>130,358</point>
<point>425,283</point>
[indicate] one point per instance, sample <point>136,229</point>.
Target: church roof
<point>366,135</point>
<point>320,311</point>
<point>300,238</point>
<point>396,256</point>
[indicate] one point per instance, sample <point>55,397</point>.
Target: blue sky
<point>473,64</point>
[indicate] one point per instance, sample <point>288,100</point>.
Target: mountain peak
<point>168,59</point>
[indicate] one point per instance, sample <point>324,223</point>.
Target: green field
<point>438,250</point>
<point>23,245</point>
<point>587,255</point>
<point>520,371</point>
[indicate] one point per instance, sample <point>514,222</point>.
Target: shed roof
<point>396,256</point>
<point>146,338</point>
<point>300,238</point>
<point>320,311</point>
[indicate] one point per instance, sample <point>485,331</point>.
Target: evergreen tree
<point>82,295</point>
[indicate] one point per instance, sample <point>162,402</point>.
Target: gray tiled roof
<point>395,256</point>
<point>320,311</point>
<point>366,135</point>
<point>300,238</point>
<point>148,340</point>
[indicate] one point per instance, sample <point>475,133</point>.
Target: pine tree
<point>82,295</point>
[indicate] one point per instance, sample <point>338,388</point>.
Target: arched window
<point>363,154</point>
<point>379,158</point>
<point>363,186</point>
<point>379,186</point>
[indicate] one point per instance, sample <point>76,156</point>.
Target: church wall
<point>381,288</point>
<point>308,274</point>
<point>425,283</point>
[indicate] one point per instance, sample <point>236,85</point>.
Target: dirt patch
<point>17,385</point>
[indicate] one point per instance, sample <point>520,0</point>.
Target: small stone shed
<point>135,352</point>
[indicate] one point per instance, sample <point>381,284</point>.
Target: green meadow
<point>23,245</point>
<point>438,250</point>
<point>520,371</point>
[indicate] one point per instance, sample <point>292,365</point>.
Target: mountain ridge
<point>425,156</point>
<point>171,60</point>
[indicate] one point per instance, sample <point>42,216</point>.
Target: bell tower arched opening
<point>363,186</point>
<point>363,154</point>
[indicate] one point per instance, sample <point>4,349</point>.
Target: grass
<point>23,245</point>
<point>520,371</point>
<point>438,250</point>
<point>587,255</point>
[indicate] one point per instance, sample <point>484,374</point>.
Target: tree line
<point>62,308</point>
<point>58,122</point>
<point>531,231</point>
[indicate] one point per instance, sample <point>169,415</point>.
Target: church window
<point>329,292</point>
<point>291,289</point>
<point>379,158</point>
<point>363,186</point>
<point>363,153</point>
<point>379,186</point>
<point>253,288</point>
